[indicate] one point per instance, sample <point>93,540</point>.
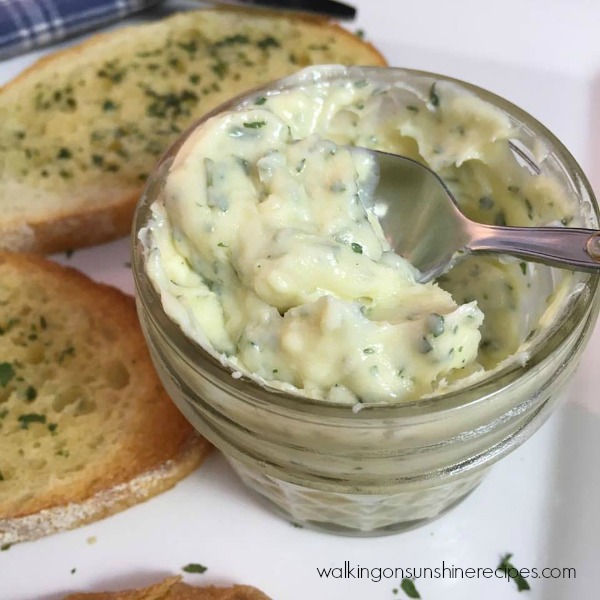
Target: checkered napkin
<point>28,24</point>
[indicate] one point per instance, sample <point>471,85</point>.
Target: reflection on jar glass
<point>387,464</point>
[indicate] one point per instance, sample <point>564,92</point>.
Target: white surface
<point>541,503</point>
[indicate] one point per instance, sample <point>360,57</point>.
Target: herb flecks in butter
<point>255,124</point>
<point>308,288</point>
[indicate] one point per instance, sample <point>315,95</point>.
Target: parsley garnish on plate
<point>194,568</point>
<point>409,588</point>
<point>513,573</point>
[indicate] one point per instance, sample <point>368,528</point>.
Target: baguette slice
<point>173,589</point>
<point>86,429</point>
<point>82,128</point>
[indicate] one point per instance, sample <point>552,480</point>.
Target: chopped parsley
<point>28,418</point>
<point>230,40</point>
<point>260,100</point>
<point>194,568</point>
<point>111,71</point>
<point>255,124</point>
<point>500,219</point>
<point>170,105</point>
<point>7,372</point>
<point>68,351</point>
<point>1,476</point>
<point>425,346</point>
<point>190,47</point>
<point>220,69</point>
<point>5,547</point>
<point>409,588</point>
<point>30,393</point>
<point>566,221</point>
<point>435,324</point>
<point>108,106</point>
<point>513,573</point>
<point>434,99</point>
<point>486,203</point>
<point>9,325</point>
<point>337,187</point>
<point>64,153</point>
<point>356,248</point>
<point>268,42</point>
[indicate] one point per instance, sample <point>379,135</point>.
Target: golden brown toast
<point>173,589</point>
<point>83,127</point>
<point>86,429</point>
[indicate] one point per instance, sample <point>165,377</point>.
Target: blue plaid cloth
<point>28,24</point>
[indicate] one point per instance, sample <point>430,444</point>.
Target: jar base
<point>357,514</point>
<point>341,530</point>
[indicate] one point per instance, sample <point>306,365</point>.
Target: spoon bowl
<point>423,223</point>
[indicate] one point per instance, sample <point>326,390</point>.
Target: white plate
<point>541,503</point>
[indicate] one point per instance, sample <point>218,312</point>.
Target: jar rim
<point>574,313</point>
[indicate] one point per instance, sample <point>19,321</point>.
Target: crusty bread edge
<point>107,502</point>
<point>160,589</point>
<point>78,229</point>
<point>173,588</point>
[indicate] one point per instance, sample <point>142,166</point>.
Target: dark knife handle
<point>330,8</point>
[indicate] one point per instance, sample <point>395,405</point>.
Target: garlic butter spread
<point>263,251</point>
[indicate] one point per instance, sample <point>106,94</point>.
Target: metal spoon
<point>421,220</point>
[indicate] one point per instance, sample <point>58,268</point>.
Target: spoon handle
<point>557,246</point>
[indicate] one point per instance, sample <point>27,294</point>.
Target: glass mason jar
<point>387,467</point>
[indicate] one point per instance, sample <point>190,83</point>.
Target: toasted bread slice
<point>86,429</point>
<point>173,589</point>
<point>82,128</point>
